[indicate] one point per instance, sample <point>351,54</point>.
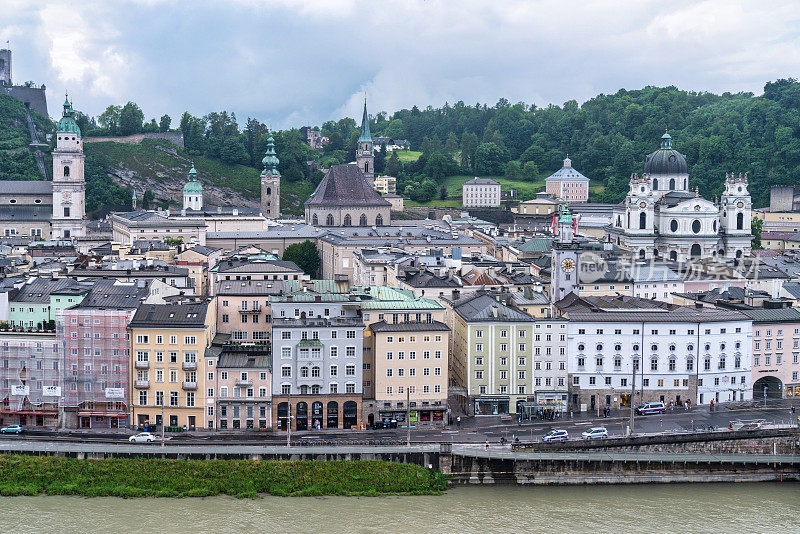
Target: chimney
<point>494,311</point>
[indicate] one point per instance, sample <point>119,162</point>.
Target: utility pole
<point>633,390</point>
<point>408,416</point>
<point>289,420</point>
<point>162,422</point>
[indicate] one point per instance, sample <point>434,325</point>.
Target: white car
<point>598,432</point>
<point>142,437</point>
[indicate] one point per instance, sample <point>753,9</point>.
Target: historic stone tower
<point>270,183</point>
<point>564,257</point>
<point>69,187</point>
<point>193,192</point>
<point>5,66</point>
<point>364,156</point>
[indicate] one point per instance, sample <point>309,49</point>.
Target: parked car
<point>598,432</point>
<point>12,429</point>
<point>649,408</point>
<point>556,435</point>
<point>142,437</point>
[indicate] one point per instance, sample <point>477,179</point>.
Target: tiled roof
<point>483,307</point>
<point>167,315</point>
<point>632,309</point>
<point>777,315</point>
<point>481,181</point>
<point>242,360</point>
<point>40,289</point>
<point>250,287</point>
<point>345,185</point>
<point>433,326</point>
<point>27,187</point>
<point>24,212</point>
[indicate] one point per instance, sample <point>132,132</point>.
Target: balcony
<point>189,366</point>
<point>141,384</point>
<point>142,364</point>
<point>189,385</point>
<point>256,309</point>
<point>244,383</point>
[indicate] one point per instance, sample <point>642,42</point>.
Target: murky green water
<point>644,508</point>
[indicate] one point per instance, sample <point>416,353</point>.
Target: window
<point>143,339</point>
<point>478,375</point>
<point>350,370</point>
<point>173,398</point>
<point>173,340</point>
<point>350,352</point>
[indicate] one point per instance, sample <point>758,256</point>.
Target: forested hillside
<point>607,138</point>
<point>16,159</point>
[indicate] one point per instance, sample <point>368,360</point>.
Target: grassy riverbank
<point>34,475</point>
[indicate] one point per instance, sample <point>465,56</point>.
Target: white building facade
<point>481,193</point>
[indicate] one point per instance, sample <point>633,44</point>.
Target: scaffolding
<point>94,348</point>
<point>29,378</point>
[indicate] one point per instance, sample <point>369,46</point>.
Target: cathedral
<point>50,209</point>
<point>662,218</point>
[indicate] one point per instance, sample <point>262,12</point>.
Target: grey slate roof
<point>250,287</point>
<point>166,315</point>
<point>637,310</point>
<point>23,212</point>
<point>27,187</point>
<point>40,289</point>
<point>242,360</point>
<point>665,161</point>
<point>567,173</point>
<point>205,251</point>
<point>345,185</point>
<point>673,198</point>
<point>778,315</point>
<point>481,307</point>
<point>112,294</point>
<point>481,181</point>
<point>433,326</point>
<point>273,266</point>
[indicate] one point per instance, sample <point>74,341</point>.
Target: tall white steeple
<point>69,186</point>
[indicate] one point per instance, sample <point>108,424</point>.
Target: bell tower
<point>564,257</point>
<point>365,158</point>
<point>270,183</point>
<point>69,187</point>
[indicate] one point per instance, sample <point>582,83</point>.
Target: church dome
<point>67,123</point>
<point>193,187</point>
<point>666,160</point>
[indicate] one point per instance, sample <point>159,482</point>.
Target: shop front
<point>495,405</point>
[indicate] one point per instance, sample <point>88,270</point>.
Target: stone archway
<point>696,251</point>
<point>774,388</point>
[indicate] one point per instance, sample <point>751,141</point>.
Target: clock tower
<point>69,188</point>
<point>564,257</point>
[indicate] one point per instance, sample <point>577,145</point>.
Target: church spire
<point>366,136</point>
<point>270,160</point>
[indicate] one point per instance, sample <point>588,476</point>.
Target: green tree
<point>530,172</point>
<point>513,170</point>
<point>393,164</point>
<point>147,199</point>
<point>163,124</point>
<point>469,143</point>
<point>305,255</point>
<point>442,192</point>
<point>109,119</point>
<point>489,159</point>
<point>439,166</point>
<point>451,145</point>
<point>756,226</point>
<point>234,152</point>
<point>130,119</point>
<point>394,130</point>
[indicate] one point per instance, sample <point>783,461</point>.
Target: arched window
<point>362,221</point>
<point>315,220</point>
<point>329,220</point>
<point>655,184</point>
<point>366,166</point>
<point>629,220</point>
<point>599,347</point>
<point>673,225</point>
<point>304,372</point>
<point>673,255</point>
<point>269,190</point>
<point>642,253</point>
<point>642,220</point>
<point>672,184</point>
<point>347,220</point>
<point>378,220</point>
<point>696,226</point>
<point>740,221</point>
<point>695,251</point>
<point>66,170</point>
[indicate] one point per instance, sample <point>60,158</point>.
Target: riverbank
<point>128,477</point>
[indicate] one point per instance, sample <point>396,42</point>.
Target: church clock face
<point>643,204</point>
<point>740,204</point>
<point>67,195</point>
<point>567,265</point>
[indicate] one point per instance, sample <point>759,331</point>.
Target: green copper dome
<point>270,160</point>
<point>566,216</point>
<point>67,123</point>
<point>193,187</point>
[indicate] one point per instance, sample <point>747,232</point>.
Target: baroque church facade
<point>662,218</point>
<point>50,209</point>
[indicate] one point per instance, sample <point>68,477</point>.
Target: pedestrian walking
<point>487,444</point>
<point>458,421</point>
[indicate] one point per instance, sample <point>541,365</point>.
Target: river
<point>678,508</point>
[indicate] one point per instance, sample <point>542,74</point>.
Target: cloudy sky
<point>290,63</point>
